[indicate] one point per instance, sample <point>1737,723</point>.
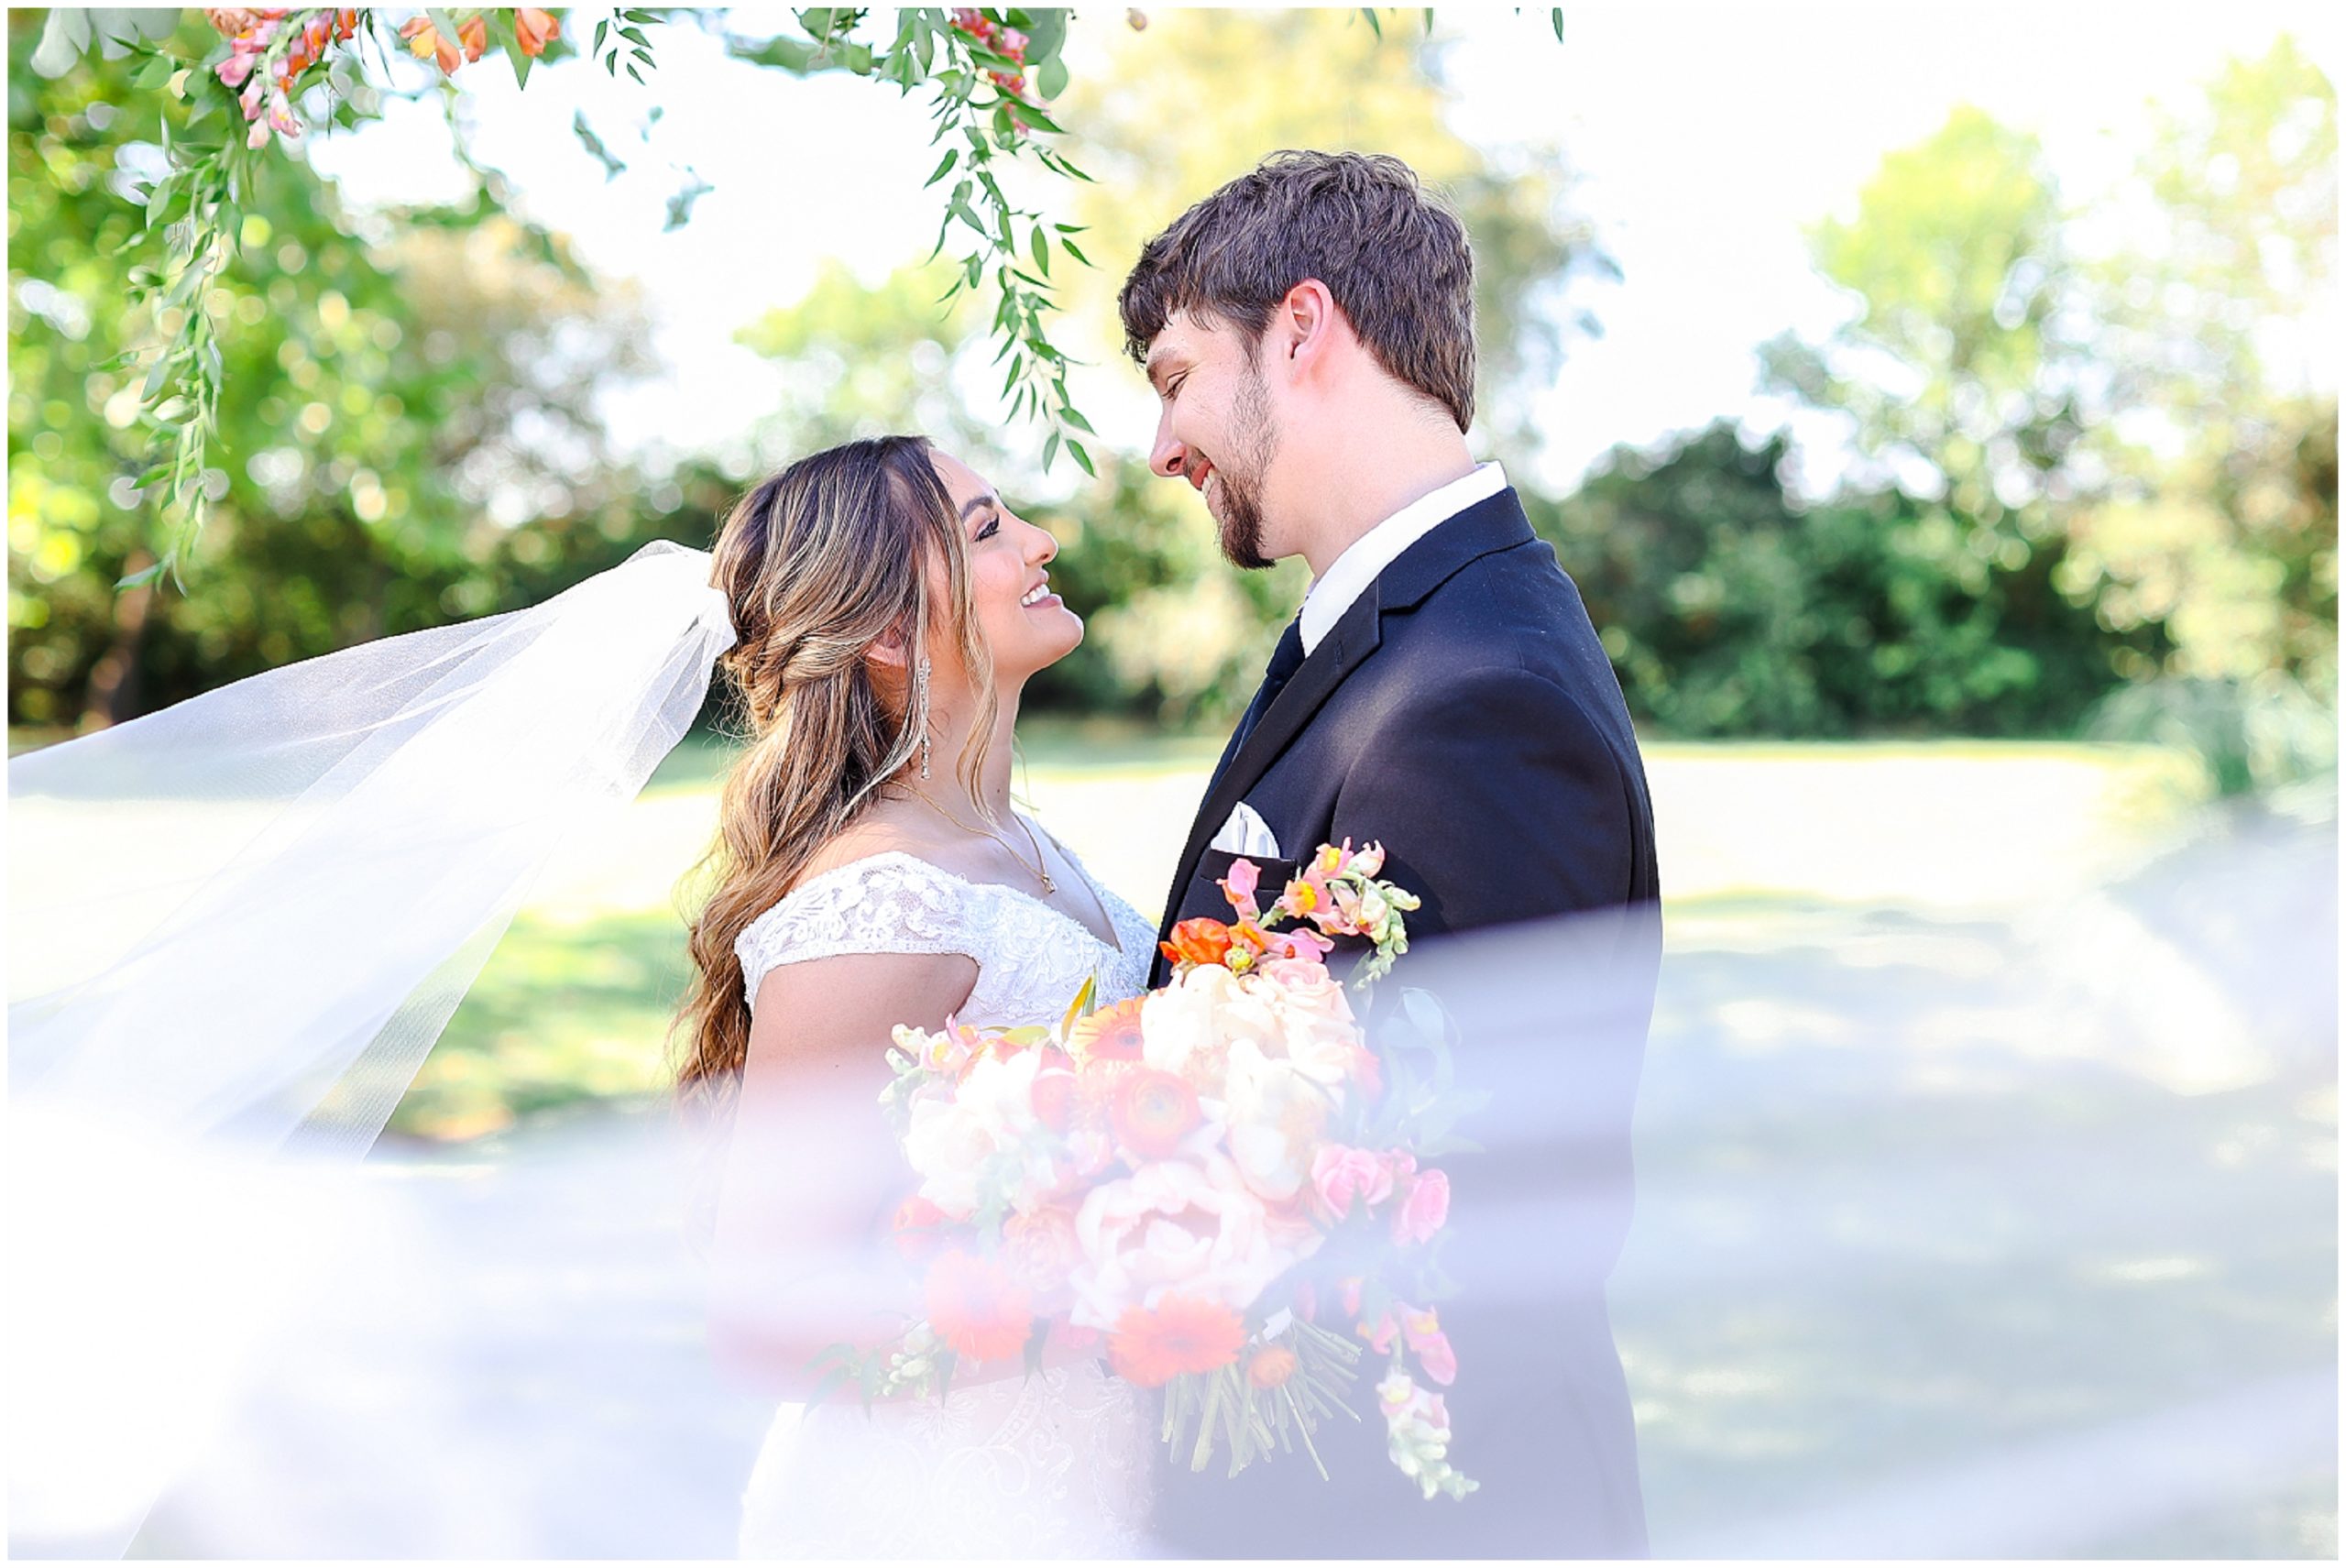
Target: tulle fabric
<point>253,913</point>
<point>236,927</point>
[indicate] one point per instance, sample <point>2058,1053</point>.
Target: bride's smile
<point>1024,624</point>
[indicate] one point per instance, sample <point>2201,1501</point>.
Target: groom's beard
<point>1254,439</point>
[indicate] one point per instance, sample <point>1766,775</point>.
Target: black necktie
<point>1286,658</point>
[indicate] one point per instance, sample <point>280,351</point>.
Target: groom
<point>1308,330</point>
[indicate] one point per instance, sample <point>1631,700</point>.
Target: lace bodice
<point>1053,1465</point>
<point>1032,958</point>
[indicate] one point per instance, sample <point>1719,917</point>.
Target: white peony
<point>1172,1227</point>
<point>1276,1114</point>
<point>949,1139</point>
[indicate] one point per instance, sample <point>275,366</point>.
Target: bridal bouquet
<point>1219,1184</point>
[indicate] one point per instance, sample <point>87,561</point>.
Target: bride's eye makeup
<point>993,526</point>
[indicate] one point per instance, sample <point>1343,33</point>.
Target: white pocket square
<point>1246,834</point>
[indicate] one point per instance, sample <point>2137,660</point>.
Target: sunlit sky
<point>1707,136</point>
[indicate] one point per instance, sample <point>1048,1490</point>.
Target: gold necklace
<point>1040,872</point>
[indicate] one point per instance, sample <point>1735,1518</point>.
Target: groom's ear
<point>1305,327</point>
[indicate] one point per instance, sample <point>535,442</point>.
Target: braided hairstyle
<point>819,562</point>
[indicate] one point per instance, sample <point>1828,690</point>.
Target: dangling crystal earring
<point>920,709</point>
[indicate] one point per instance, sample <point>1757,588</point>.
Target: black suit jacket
<point>1463,713</point>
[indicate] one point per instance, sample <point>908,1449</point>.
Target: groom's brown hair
<point>1394,258</point>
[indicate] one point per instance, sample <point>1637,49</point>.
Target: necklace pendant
<point>1048,885</point>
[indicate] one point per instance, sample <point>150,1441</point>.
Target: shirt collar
<point>1351,573</point>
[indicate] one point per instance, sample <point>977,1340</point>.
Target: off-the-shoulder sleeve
<point>889,904</point>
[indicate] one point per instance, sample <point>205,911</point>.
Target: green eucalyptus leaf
<point>1032,115</point>
<point>1046,35</point>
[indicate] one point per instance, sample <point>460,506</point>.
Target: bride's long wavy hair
<point>820,561</point>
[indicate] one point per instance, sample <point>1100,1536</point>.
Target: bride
<point>872,872</point>
<point>359,829</point>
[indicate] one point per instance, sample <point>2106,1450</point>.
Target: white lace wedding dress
<point>1057,1464</point>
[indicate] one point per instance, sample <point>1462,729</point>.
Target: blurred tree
<point>2118,398</point>
<point>1728,608</point>
<point>1926,595</point>
<point>406,389</point>
<point>2214,298</point>
<point>1962,369</point>
<point>867,361</point>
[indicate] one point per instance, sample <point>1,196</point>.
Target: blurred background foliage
<point>2087,484</point>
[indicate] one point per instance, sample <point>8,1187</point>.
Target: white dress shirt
<point>1352,571</point>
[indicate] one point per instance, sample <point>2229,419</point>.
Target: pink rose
<point>1307,983</point>
<point>1316,1029</point>
<point>1425,1209</point>
<point>1339,1175</point>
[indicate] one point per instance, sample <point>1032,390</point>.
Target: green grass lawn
<point>575,1003</point>
<point>1888,1224</point>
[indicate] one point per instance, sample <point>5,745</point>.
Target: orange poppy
<point>1183,1334</point>
<point>1152,1113</point>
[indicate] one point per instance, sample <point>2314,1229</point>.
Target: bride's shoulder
<point>872,905</point>
<point>876,896</point>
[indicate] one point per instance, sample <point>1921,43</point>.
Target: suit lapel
<point>1351,640</point>
<point>1497,523</point>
